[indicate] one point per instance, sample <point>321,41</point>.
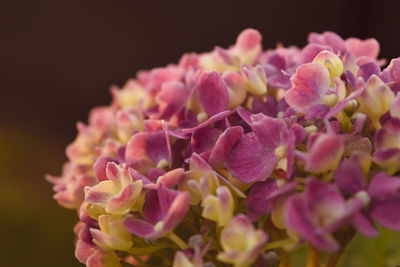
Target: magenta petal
<point>83,251</point>
<point>392,155</point>
<point>291,146</point>
<point>100,166</point>
<point>384,187</point>
<point>387,213</point>
<point>270,107</point>
<point>136,153</point>
<point>154,173</point>
<point>139,177</point>
<point>157,146</point>
<point>177,211</point>
<point>204,139</point>
<point>310,85</point>
<point>244,114</point>
<point>299,133</point>
<point>367,70</point>
<point>392,72</point>
<point>145,150</point>
<point>139,227</point>
<point>223,146</point>
<point>213,93</point>
<point>309,52</point>
<point>364,224</point>
<point>299,218</point>
<point>325,152</point>
<point>271,132</point>
<point>152,211</point>
<point>263,195</point>
<point>349,177</point>
<point>165,197</point>
<point>248,161</point>
<point>317,112</point>
<point>171,178</point>
<point>330,39</point>
<point>172,96</point>
<point>186,132</point>
<point>321,195</point>
<point>368,48</point>
<point>256,201</point>
<point>385,194</point>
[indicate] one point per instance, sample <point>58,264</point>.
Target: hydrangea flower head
<point>238,155</point>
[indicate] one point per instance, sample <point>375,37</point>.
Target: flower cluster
<point>238,156</point>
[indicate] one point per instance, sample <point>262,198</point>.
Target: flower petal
<point>349,177</point>
<point>310,84</point>
<point>213,93</point>
<point>248,161</point>
<point>223,146</point>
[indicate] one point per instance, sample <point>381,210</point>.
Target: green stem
<point>147,250</point>
<point>278,244</point>
<point>177,240</point>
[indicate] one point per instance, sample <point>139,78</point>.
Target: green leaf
<point>383,250</point>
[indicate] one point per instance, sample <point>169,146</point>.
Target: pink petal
<point>299,218</point>
<point>204,139</point>
<point>213,93</point>
<point>310,84</point>
<point>364,224</point>
<point>172,96</point>
<point>248,161</point>
<point>145,150</point>
<point>248,39</point>
<point>223,146</point>
<point>139,227</point>
<point>171,178</point>
<point>271,132</point>
<point>349,177</point>
<point>368,48</point>
<point>384,191</point>
<point>186,132</point>
<point>328,38</point>
<point>100,165</point>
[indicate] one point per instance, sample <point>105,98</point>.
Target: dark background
<point>58,59</point>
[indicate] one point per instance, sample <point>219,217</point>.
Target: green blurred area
<point>35,231</point>
<point>382,251</point>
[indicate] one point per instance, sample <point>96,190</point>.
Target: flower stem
<point>314,257</point>
<point>147,250</point>
<point>285,260</point>
<point>278,244</point>
<point>177,240</point>
<point>334,258</point>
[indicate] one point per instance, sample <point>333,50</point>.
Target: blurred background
<point>59,58</point>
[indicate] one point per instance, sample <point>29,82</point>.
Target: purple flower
<point>264,195</point>
<point>146,150</point>
<point>391,75</point>
<point>387,146</point>
<point>256,154</point>
<point>316,87</point>
<point>380,197</point>
<point>317,213</point>
<point>163,209</point>
<point>325,151</point>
